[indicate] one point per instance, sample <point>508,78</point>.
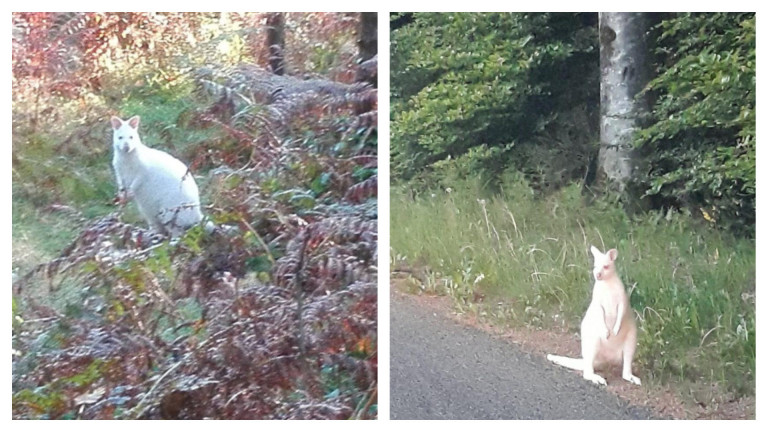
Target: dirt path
<point>444,369</point>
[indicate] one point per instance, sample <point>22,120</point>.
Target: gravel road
<point>441,369</point>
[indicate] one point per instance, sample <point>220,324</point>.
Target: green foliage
<point>693,288</point>
<point>38,161</point>
<point>487,87</point>
<point>53,399</point>
<point>478,94</point>
<point>49,404</point>
<point>700,142</point>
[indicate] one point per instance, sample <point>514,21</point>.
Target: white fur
<point>162,186</point>
<point>608,330</point>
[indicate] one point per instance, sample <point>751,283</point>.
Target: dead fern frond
<point>106,241</point>
<point>367,188</point>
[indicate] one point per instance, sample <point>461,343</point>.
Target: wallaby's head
<point>125,135</point>
<point>604,263</point>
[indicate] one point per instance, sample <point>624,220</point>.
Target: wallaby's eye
<point>605,267</point>
<point>121,137</point>
<point>130,137</point>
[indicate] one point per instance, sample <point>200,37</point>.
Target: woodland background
<point>275,114</point>
<point>502,179</point>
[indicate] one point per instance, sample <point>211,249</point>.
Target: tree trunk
<point>367,43</point>
<point>276,42</point>
<point>623,74</point>
<point>368,35</point>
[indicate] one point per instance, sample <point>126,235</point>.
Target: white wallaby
<point>162,186</point>
<point>608,330</point>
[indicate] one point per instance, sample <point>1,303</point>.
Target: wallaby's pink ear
<point>595,251</point>
<point>612,254</point>
<point>116,122</point>
<point>134,122</point>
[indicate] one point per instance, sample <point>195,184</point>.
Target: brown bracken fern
<point>272,315</point>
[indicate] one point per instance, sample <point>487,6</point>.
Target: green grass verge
<point>691,286</point>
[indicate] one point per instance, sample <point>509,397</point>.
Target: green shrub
<point>498,85</point>
<point>700,143</point>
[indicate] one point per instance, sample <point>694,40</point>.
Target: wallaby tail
<point>569,362</point>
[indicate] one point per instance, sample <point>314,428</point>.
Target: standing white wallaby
<point>608,330</point>
<point>162,186</point>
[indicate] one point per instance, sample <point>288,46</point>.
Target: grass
<point>691,286</point>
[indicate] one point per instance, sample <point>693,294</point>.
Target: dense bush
<point>499,90</point>
<point>699,148</point>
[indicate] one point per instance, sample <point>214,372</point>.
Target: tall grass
<point>691,286</point>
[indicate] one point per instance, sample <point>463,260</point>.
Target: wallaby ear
<point>612,254</point>
<point>116,122</point>
<point>134,122</point>
<point>595,251</point>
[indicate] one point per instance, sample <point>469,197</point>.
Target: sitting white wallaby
<point>608,330</point>
<point>162,186</point>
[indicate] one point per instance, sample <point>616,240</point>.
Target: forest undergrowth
<point>271,316</point>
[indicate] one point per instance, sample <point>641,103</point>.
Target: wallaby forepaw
<point>633,379</point>
<point>120,199</point>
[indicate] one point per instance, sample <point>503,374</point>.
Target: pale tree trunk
<point>276,42</point>
<point>623,74</point>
